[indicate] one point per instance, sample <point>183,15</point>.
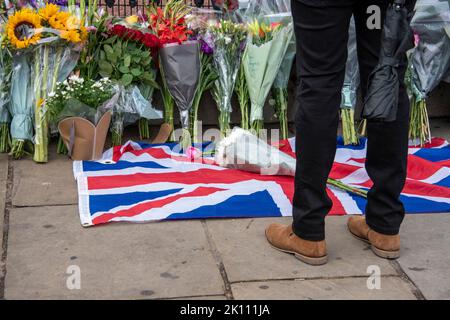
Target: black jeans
<point>321,32</point>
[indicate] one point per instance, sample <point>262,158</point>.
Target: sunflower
<point>19,26</point>
<point>49,11</point>
<point>71,35</point>
<point>59,20</point>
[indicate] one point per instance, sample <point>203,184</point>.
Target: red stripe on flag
<point>142,207</point>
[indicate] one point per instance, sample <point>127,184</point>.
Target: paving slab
<point>440,128</point>
<point>326,289</point>
<point>247,255</point>
<point>426,253</point>
<point>117,261</point>
<point>46,184</point>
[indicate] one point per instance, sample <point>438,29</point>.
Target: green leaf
<point>136,72</point>
<point>126,80</point>
<point>127,60</point>
<point>145,54</point>
<point>111,57</point>
<point>110,40</point>
<point>105,67</point>
<point>108,49</point>
<point>136,59</point>
<point>118,49</point>
<point>124,69</point>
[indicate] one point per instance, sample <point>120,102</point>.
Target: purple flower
<point>61,3</point>
<point>205,47</point>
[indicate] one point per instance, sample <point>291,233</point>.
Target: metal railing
<point>123,8</point>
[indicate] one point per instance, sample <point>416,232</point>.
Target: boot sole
<point>308,260</point>
<point>380,253</point>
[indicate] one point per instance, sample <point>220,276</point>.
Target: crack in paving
<point>312,278</point>
<point>414,288</point>
<point>219,261</point>
<point>8,206</point>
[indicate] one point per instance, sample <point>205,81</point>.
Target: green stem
<point>280,96</point>
<point>144,131</point>
<point>61,147</point>
<point>345,187</point>
<point>5,138</point>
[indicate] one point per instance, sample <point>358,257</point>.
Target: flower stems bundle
<point>280,97</point>
<point>229,40</point>
<point>349,133</point>
<point>349,89</point>
<point>419,126</point>
<point>243,97</point>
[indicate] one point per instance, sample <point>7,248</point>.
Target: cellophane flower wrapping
<point>430,61</point>
<point>349,89</point>
<point>261,64</point>
<point>243,150</point>
<point>52,63</point>
<point>129,108</point>
<point>181,70</point>
<point>5,91</point>
<point>21,105</point>
<point>228,42</point>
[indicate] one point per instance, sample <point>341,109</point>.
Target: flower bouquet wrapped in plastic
<point>264,53</point>
<point>198,21</point>
<point>430,62</point>
<point>349,90</point>
<point>127,57</point>
<point>228,42</point>
<point>243,150</point>
<point>49,40</point>
<point>180,65</point>
<point>277,12</point>
<point>170,26</point>
<point>5,118</point>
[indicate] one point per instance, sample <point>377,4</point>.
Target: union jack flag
<point>139,182</point>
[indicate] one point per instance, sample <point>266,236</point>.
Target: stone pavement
<point>43,243</point>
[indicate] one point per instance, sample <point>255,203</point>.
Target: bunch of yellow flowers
<point>26,26</point>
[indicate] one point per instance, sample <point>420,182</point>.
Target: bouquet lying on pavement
<point>243,150</point>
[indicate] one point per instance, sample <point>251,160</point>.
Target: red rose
<point>118,30</point>
<point>150,40</point>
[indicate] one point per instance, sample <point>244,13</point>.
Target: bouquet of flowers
<point>243,150</point>
<point>39,40</point>
<point>349,90</point>
<point>199,21</point>
<point>228,40</point>
<point>430,62</point>
<point>277,12</point>
<point>79,97</point>
<point>5,80</point>
<point>266,48</point>
<point>170,26</point>
<point>82,110</point>
<point>126,58</point>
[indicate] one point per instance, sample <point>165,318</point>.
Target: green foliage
<point>126,62</point>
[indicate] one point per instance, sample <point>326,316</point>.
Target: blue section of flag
<point>98,166</point>
<point>444,182</point>
<point>106,202</point>
<point>258,204</point>
<point>434,154</point>
<point>421,205</point>
<point>360,146</point>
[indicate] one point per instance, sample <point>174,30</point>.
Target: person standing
<point>321,30</point>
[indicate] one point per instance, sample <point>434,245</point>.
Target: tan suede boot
<point>282,238</point>
<point>384,246</point>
